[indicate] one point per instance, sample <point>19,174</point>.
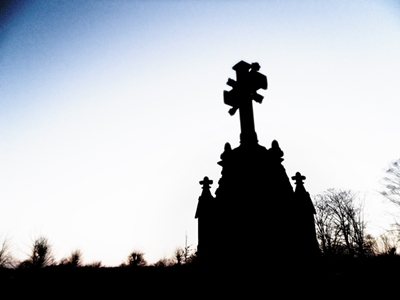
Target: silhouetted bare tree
<point>328,233</point>
<point>6,258</point>
<point>340,224</point>
<point>387,243</point>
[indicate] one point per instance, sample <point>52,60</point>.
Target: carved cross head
<point>206,183</point>
<point>298,178</point>
<point>248,81</point>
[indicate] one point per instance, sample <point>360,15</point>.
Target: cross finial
<point>298,178</point>
<point>206,183</point>
<point>244,91</point>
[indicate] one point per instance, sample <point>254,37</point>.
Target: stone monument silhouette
<point>204,216</point>
<point>254,213</point>
<point>304,219</point>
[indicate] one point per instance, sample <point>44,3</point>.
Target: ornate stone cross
<point>244,90</point>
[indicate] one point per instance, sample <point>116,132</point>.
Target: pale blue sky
<point>111,112</point>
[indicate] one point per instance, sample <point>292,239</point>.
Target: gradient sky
<point>111,112</point>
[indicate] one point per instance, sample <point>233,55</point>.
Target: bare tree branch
<point>6,258</point>
<point>391,183</point>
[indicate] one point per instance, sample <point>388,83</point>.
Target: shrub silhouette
<point>164,262</point>
<point>135,259</point>
<point>95,264</point>
<point>41,254</point>
<point>192,258</point>
<point>178,256</point>
<point>74,259</point>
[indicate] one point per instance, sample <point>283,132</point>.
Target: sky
<point>111,112</point>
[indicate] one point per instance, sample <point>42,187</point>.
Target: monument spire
<point>304,211</point>
<point>205,226</point>
<point>244,91</point>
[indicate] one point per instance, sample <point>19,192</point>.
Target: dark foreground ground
<point>326,279</point>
